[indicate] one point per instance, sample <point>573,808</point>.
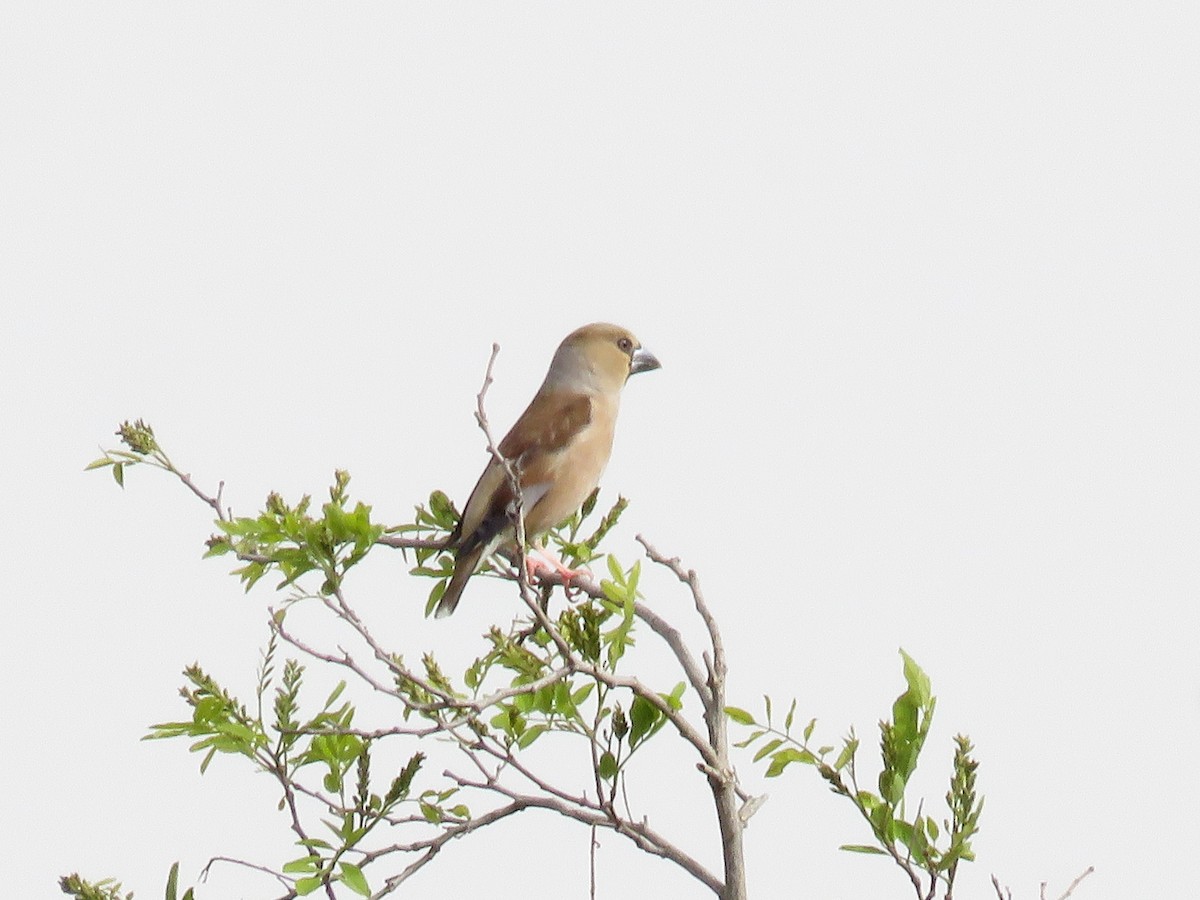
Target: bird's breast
<point>573,472</point>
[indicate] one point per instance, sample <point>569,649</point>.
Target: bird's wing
<point>547,426</point>
<point>533,445</point>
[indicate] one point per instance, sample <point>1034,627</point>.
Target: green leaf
<point>337,692</point>
<point>615,570</point>
<point>608,766</point>
<point>892,788</point>
<point>430,812</point>
<point>785,757</point>
<point>904,719</point>
<point>754,736</point>
<point>863,848</point>
<point>643,716</point>
<point>769,747</point>
<point>675,698</point>
<point>739,715</point>
<point>847,754</point>
<point>532,734</point>
<point>583,693</point>
<point>918,681</point>
<point>317,843</point>
<point>911,836</point>
<point>354,879</point>
<point>868,801</point>
<point>306,886</point>
<point>310,863</point>
<point>173,882</point>
<point>435,595</point>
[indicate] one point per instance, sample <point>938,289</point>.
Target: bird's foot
<point>543,563</point>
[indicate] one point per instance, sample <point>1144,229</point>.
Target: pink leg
<point>546,562</point>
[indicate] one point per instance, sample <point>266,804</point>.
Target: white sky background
<point>924,282</point>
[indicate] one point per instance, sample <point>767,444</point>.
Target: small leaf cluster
<point>104,889</point>
<point>577,550</point>
<point>282,741</point>
<point>142,446</point>
<point>435,520</point>
<point>110,889</point>
<point>324,861</point>
<point>629,732</point>
<point>915,843</point>
<point>290,539</point>
<point>780,747</point>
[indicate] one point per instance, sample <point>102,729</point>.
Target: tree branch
<point>721,776</point>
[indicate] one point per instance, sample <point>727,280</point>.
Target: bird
<point>558,449</point>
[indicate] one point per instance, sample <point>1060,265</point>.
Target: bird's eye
<point>625,344</point>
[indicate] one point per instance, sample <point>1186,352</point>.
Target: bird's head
<point>599,357</point>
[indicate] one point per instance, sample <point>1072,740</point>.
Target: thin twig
<point>722,778</point>
<point>408,543</point>
<point>249,865</point>
<point>593,844</point>
<point>640,833</point>
<point>1074,884</point>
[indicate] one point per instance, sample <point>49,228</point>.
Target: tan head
<point>598,358</point>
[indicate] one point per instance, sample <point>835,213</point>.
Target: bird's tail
<point>464,567</point>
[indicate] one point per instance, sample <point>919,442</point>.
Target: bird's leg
<point>540,560</point>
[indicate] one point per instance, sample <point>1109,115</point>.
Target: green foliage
<point>172,892</point>
<point>288,741</point>
<point>916,842</point>
<point>109,889</point>
<point>554,679</point>
<point>143,449</point>
<point>284,537</point>
<point>104,889</point>
<point>295,542</point>
<point>529,684</point>
<point>578,551</point>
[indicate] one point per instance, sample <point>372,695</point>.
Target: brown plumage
<point>558,447</point>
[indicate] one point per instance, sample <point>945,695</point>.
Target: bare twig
<point>722,778</point>
<point>1071,887</point>
<point>408,543</point>
<point>670,634</point>
<point>215,502</point>
<point>593,845</point>
<point>640,833</point>
<point>431,846</point>
<point>248,865</point>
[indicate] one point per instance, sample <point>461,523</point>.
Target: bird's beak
<point>643,361</point>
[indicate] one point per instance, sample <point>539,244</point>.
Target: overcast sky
<point>925,285</point>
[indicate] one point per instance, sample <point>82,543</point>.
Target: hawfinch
<point>558,449</point>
